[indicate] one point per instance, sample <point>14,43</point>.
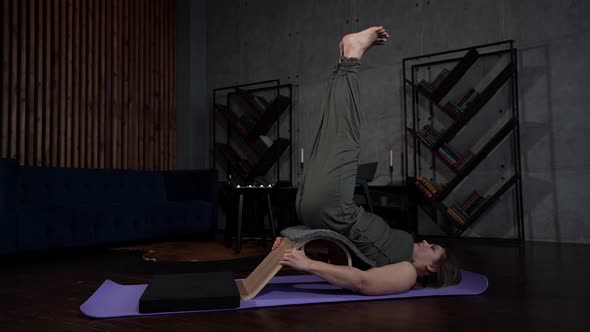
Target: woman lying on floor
<point>325,197</point>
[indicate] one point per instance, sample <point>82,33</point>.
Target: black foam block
<point>190,291</point>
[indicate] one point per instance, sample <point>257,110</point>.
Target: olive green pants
<point>326,189</point>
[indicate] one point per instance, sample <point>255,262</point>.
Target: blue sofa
<point>44,208</point>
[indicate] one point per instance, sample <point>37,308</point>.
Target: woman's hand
<point>277,242</point>
<point>296,259</point>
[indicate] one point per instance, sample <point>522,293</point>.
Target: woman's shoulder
<point>407,268</point>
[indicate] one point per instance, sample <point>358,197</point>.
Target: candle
<point>390,158</point>
<point>302,155</point>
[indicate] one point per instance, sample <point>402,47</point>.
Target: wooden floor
<point>533,287</point>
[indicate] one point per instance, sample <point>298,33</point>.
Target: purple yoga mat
<point>115,300</point>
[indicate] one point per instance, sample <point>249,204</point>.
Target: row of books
<point>427,187</point>
<point>244,124</point>
<point>233,118</point>
<point>431,137</point>
<point>256,105</point>
<point>461,212</point>
<point>457,110</point>
<point>255,117</point>
<point>457,162</point>
<point>428,87</point>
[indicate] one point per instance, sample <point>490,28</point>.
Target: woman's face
<point>427,254</point>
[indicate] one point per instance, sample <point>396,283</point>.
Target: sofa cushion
<point>7,230</point>
<point>8,176</point>
<point>41,228</point>
<point>46,187</point>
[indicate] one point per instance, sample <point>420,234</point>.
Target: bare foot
<point>355,45</point>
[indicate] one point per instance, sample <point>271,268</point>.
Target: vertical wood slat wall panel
<point>101,83</point>
<point>96,90</point>
<point>21,78</point>
<point>38,128</point>
<point>142,101</point>
<point>38,90</point>
<point>76,91</point>
<point>133,93</point>
<point>166,82</point>
<point>160,83</point>
<point>55,83</point>
<point>83,86</point>
<point>115,111</point>
<point>62,84</point>
<point>69,86</point>
<point>151,97</point>
<point>170,42</point>
<point>46,67</point>
<point>173,81</point>
<point>88,83</point>
<point>107,110</point>
<point>13,80</point>
<point>29,96</point>
<point>5,116</point>
<point>153,100</point>
<point>125,67</point>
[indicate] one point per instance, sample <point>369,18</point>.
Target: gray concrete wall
<point>192,115</point>
<point>296,41</point>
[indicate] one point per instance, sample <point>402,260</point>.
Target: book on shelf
<point>449,154</point>
<point>471,203</point>
<point>427,185</point>
<point>425,190</point>
<point>455,216</point>
<point>457,208</point>
<point>470,95</point>
<point>430,131</point>
<point>426,139</point>
<point>428,88</point>
<point>469,199</point>
<point>248,121</point>
<point>253,106</point>
<point>455,75</point>
<point>265,140</point>
<point>261,101</point>
<point>474,205</point>
<point>490,87</point>
<point>464,160</point>
<point>452,110</point>
<point>233,119</point>
<point>425,87</point>
<point>445,156</point>
<point>440,77</point>
<point>457,109</point>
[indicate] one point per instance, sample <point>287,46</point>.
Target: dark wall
<point>192,113</point>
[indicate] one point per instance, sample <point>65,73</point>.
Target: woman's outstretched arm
<point>384,280</point>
